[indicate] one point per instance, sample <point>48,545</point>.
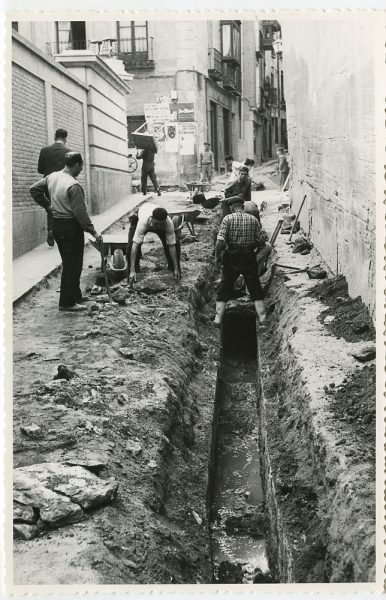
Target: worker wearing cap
<point>238,239</point>
<point>152,218</point>
<point>206,163</point>
<point>241,188</point>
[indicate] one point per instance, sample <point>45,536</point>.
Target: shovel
<point>296,220</point>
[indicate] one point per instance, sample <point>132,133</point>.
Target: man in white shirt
<point>152,218</point>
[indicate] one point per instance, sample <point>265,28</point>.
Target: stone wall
<point>329,88</point>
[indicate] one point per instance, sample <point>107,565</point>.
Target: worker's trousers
<point>206,172</point>
<point>69,236</point>
<point>145,173</point>
<point>162,237</point>
<point>241,261</point>
<point>283,177</point>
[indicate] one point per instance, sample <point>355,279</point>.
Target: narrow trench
<point>236,498</point>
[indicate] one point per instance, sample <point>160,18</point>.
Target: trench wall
<point>330,96</point>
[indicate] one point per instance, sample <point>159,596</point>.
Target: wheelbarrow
<point>198,186</point>
<point>182,218</point>
<point>113,253</point>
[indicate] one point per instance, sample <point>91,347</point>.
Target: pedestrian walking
<point>148,170</point>
<point>206,163</point>
<point>62,197</point>
<point>51,159</point>
<point>239,237</point>
<point>240,188</point>
<point>152,218</point>
<point>283,166</point>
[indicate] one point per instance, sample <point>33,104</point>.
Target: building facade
<point>80,92</point>
<point>220,81</point>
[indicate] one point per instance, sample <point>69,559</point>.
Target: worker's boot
<point>260,310</point>
<point>220,309</point>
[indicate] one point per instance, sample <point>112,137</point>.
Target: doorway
<point>213,131</point>
<point>227,132</point>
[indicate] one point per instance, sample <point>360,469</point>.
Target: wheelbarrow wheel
<point>118,259</point>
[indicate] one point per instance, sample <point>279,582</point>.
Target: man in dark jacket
<point>51,159</point>
<point>61,195</point>
<point>240,188</point>
<point>148,170</point>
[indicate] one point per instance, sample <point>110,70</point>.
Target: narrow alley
<point>165,431</point>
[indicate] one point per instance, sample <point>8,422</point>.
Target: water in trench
<point>237,503</point>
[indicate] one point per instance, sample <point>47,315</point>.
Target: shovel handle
<point>297,218</point>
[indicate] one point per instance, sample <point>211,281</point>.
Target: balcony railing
<point>59,47</point>
<point>141,57</point>
<point>215,68</point>
<point>232,78</point>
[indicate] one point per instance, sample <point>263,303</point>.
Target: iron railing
<point>59,47</point>
<point>139,54</point>
<point>232,78</point>
<point>215,60</point>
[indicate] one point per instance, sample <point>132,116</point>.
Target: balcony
<point>271,98</point>
<point>60,47</point>
<point>140,58</point>
<point>232,79</point>
<point>215,69</point>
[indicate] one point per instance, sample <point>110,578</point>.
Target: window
<point>133,37</point>
<point>15,25</point>
<point>231,40</point>
<point>276,131</point>
<point>70,35</point>
<point>133,123</point>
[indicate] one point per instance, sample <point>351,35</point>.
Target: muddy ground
<point>147,420</point>
<point>140,412</point>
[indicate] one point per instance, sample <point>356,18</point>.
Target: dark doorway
<point>78,34</point>
<point>227,132</point>
<point>213,132</point>
<point>270,141</point>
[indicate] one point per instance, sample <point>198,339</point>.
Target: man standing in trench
<point>63,198</point>
<point>152,218</point>
<point>148,170</point>
<point>51,159</point>
<point>239,237</point>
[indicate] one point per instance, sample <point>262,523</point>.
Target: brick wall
<point>68,114</point>
<point>39,106</point>
<point>29,134</point>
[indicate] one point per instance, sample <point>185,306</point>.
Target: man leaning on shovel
<point>62,196</point>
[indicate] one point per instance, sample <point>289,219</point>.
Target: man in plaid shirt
<point>239,237</point>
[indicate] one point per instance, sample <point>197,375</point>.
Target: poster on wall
<point>187,135</point>
<point>171,131</point>
<point>185,111</point>
<point>157,113</point>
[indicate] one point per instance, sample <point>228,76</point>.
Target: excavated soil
<point>317,410</point>
<point>147,419</point>
<point>351,318</point>
<point>142,404</point>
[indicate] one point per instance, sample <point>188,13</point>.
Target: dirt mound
<point>346,317</point>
